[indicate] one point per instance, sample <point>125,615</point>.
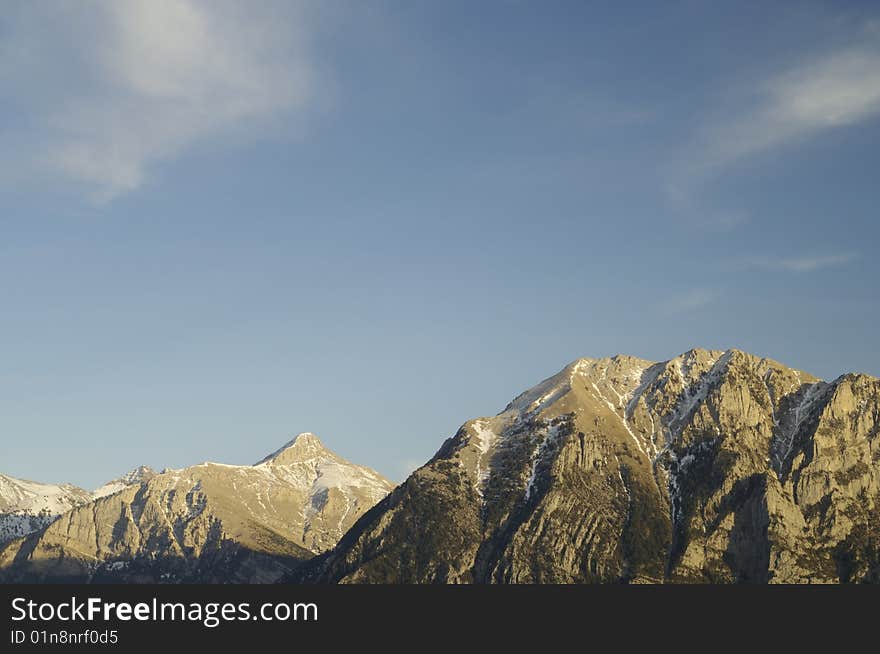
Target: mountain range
<point>210,522</point>
<point>710,467</point>
<point>28,506</point>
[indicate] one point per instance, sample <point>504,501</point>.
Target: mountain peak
<point>304,446</point>
<point>714,466</point>
<point>140,473</point>
<point>135,476</point>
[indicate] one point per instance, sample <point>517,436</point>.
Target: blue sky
<point>223,225</point>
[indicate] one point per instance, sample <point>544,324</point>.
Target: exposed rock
<point>136,476</point>
<point>207,523</point>
<point>28,506</point>
<point>711,467</point>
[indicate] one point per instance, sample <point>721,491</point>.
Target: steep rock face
<point>208,523</point>
<point>710,467</point>
<point>28,506</point>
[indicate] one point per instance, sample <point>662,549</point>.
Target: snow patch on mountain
<point>485,440</point>
<point>26,506</point>
<point>538,456</point>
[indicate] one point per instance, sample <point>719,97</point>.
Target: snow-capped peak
<point>32,496</point>
<point>305,462</point>
<point>26,506</point>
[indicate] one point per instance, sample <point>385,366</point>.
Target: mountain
<point>136,476</point>
<point>206,523</point>
<point>710,467</point>
<point>26,506</point>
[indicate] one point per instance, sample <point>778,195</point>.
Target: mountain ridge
<point>713,466</point>
<point>207,522</point>
<point>134,476</point>
<point>26,505</point>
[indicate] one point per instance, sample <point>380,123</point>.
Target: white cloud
<point>802,264</point>
<point>113,88</point>
<point>837,89</point>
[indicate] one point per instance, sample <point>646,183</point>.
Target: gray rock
<point>711,467</point>
<point>206,523</point>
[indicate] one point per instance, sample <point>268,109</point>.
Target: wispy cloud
<point>834,89</point>
<point>690,300</point>
<point>831,88</point>
<point>803,264</point>
<point>106,90</point>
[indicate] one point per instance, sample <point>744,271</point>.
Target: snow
<point>618,416</point>
<point>18,524</point>
<point>620,393</point>
<point>635,382</point>
<point>306,466</point>
<point>548,391</point>
<point>537,456</point>
<point>624,486</point>
<point>486,435</point>
<point>26,506</point>
<point>305,442</point>
<point>24,495</point>
<point>130,478</point>
<point>340,527</point>
<point>770,396</point>
<point>108,489</point>
<point>694,392</point>
<point>691,397</point>
<point>681,465</point>
<point>117,565</point>
<point>334,474</point>
<point>484,439</point>
<point>784,445</point>
<point>305,463</point>
<point>639,391</point>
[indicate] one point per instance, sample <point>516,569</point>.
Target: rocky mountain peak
<point>135,476</point>
<point>206,522</point>
<point>139,473</point>
<point>713,465</point>
<point>303,447</point>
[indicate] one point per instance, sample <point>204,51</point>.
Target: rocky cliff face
<point>28,506</point>
<point>207,523</point>
<point>711,467</point>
